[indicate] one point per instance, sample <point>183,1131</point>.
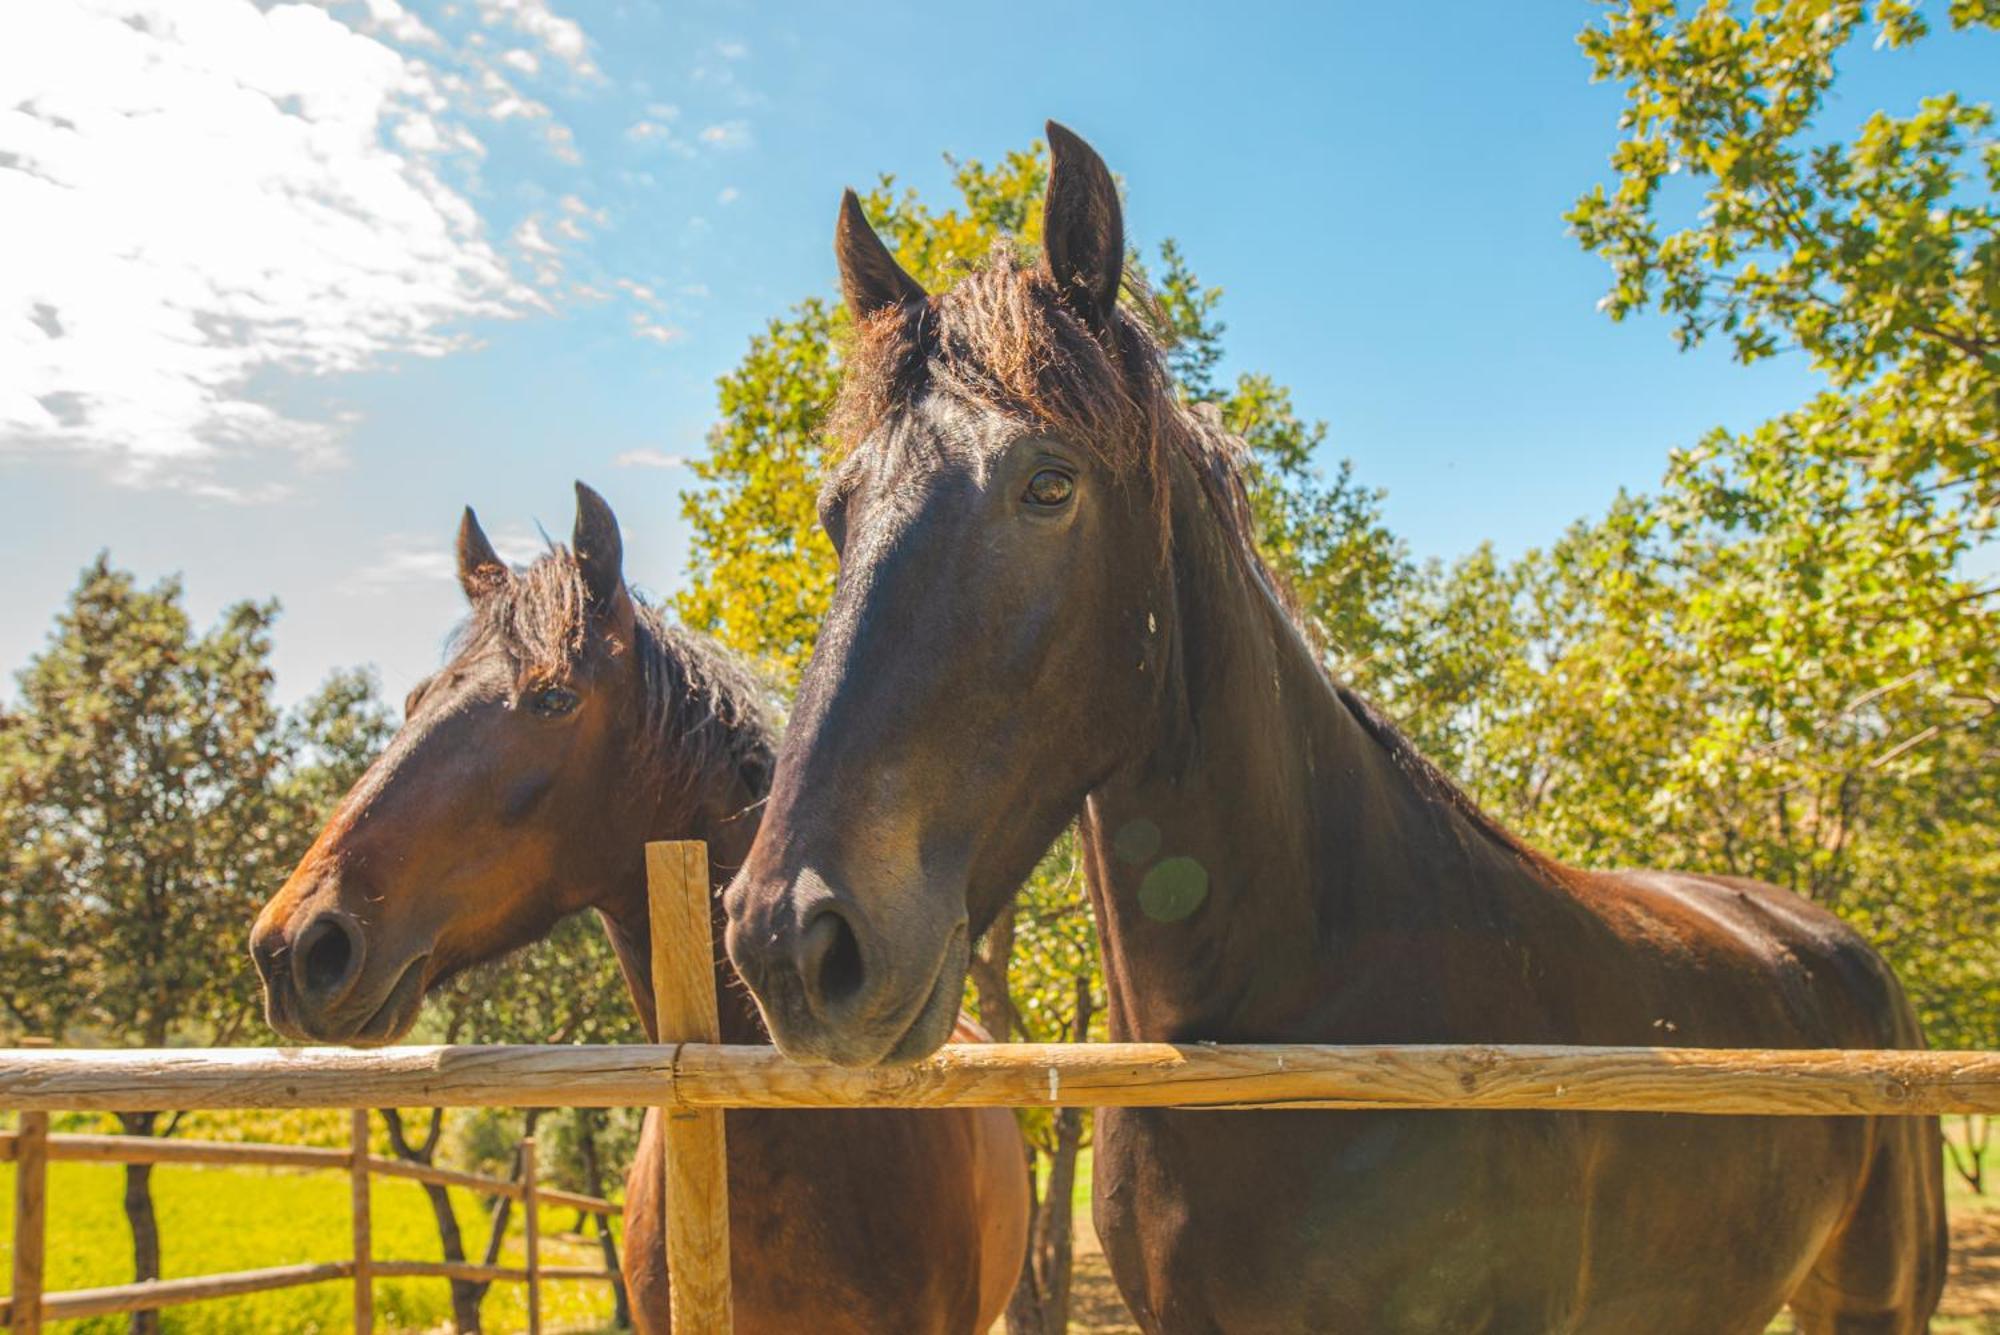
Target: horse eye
<point>1050,487</point>
<point>553,701</point>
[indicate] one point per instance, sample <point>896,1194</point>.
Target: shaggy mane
<point>1003,337</point>
<point>702,709</point>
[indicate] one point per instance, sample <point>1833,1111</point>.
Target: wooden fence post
<point>532,1225</point>
<point>697,1168</point>
<point>31,1185</point>
<point>364,1238</point>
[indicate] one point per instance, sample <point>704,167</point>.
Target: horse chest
<point>1339,1221</point>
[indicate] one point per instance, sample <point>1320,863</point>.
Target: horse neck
<point>724,813</point>
<point>1316,844</point>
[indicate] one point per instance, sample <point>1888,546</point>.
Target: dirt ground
<point>1971,1303</point>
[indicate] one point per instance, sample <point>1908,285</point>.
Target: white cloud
<point>649,458</point>
<point>505,103</point>
<point>563,38</point>
<point>657,127</point>
<point>730,194</point>
<point>639,291</point>
<point>727,134</point>
<point>205,192</point>
<point>645,326</point>
<point>391,19</point>
<point>528,236</point>
<point>522,60</point>
<point>732,50</point>
<point>561,143</point>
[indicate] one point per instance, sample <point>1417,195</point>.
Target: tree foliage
<point>151,796</point>
<point>1782,664</point>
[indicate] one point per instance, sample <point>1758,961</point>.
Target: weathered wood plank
<point>364,1225</point>
<point>72,1304</point>
<point>218,1153</point>
<point>1686,1080</point>
<point>173,1079</point>
<point>697,1170</point>
<point>31,1204</point>
<point>470,1271</point>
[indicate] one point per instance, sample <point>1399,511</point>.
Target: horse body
<point>571,727</point>
<point>1346,905</point>
<point>1050,604</point>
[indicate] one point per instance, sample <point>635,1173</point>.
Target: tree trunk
<point>989,977</point>
<point>587,1121</point>
<point>465,1296</point>
<point>1972,1164</point>
<point>139,1214</point>
<point>1040,1305</point>
<point>1054,1237</point>
<point>1024,1305</point>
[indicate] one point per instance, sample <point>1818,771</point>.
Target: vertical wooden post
<point>364,1235</point>
<point>531,1222</point>
<point>31,1185</point>
<point>697,1168</point>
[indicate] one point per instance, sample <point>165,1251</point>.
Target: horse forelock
<point>701,709</point>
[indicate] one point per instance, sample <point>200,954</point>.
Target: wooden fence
<point>32,1148</point>
<point>691,1078</point>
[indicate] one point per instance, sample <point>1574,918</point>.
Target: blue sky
<point>301,281</point>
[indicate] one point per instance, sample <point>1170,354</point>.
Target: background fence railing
<point>32,1148</point>
<point>691,1078</point>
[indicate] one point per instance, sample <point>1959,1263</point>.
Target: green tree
<point>151,794</point>
<point>1801,612</point>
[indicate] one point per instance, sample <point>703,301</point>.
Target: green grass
<point>216,1219</point>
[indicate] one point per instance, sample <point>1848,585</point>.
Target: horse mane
<point>705,715</point>
<point>1005,338</point>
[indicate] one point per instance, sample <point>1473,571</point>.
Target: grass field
<point>216,1219</point>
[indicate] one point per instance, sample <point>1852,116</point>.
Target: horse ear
<point>1083,228</point>
<point>480,568</point>
<point>870,278</point>
<point>600,552</point>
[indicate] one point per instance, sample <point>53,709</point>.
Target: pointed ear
<point>870,278</point>
<point>1083,229</point>
<point>600,552</point>
<point>480,569</point>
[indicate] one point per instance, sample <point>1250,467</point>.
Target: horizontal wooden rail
<point>552,1199</point>
<point>215,1153</point>
<point>191,1079</point>
<point>223,1153</point>
<point>76,1303</point>
<point>1584,1079</point>
<point>470,1271</point>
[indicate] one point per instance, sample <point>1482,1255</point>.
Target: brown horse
<point>572,725</point>
<point>1049,604</point>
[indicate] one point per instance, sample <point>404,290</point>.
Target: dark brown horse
<point>1050,604</point>
<point>571,726</point>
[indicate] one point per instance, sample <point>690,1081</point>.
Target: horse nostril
<point>326,955</point>
<point>830,959</point>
